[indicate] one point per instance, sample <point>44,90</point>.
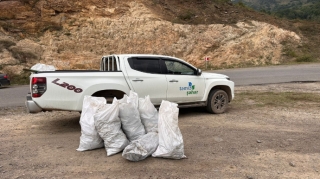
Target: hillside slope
<point>75,34</point>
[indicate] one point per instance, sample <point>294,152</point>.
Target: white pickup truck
<point>160,77</point>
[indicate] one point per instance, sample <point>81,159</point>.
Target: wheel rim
<point>219,102</point>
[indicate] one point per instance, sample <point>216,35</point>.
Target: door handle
<point>173,81</point>
<point>137,80</point>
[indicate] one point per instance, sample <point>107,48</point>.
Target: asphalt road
<point>16,95</point>
<point>273,74</point>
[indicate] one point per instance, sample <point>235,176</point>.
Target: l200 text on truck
<point>160,77</point>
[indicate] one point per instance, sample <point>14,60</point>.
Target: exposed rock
<point>75,34</point>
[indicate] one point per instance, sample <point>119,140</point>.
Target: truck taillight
<point>6,76</point>
<point>38,86</point>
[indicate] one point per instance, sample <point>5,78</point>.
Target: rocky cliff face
<point>75,34</point>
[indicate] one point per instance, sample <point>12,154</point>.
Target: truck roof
<point>147,55</point>
<point>139,55</point>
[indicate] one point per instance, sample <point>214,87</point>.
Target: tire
<point>217,101</point>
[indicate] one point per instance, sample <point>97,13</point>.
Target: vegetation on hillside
<point>293,9</point>
<point>307,12</point>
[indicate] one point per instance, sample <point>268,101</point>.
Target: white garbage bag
<point>141,148</point>
<point>43,67</point>
<point>90,138</point>
<point>148,114</point>
<point>108,125</point>
<point>133,98</point>
<point>130,117</point>
<point>170,137</point>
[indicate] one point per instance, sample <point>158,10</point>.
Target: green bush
<point>221,1</point>
<point>305,58</point>
<point>186,15</point>
<point>289,52</point>
<point>22,79</point>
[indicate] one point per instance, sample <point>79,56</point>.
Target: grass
<point>309,28</point>
<point>282,99</point>
<point>306,58</point>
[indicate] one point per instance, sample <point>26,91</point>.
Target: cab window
<point>175,67</point>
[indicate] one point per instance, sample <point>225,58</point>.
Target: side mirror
<point>199,72</point>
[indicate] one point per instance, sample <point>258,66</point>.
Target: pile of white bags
<point>148,114</point>
<point>90,138</point>
<point>108,125</point>
<point>132,125</point>
<point>130,116</point>
<point>141,148</point>
<point>170,137</point>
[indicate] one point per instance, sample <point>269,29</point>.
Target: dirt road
<point>251,140</point>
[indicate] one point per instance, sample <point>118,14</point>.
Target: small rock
<point>292,164</point>
<point>217,139</point>
<point>249,177</point>
<point>259,141</point>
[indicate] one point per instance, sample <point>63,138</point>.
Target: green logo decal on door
<point>190,89</point>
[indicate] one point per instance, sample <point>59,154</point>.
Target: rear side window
<point>147,65</point>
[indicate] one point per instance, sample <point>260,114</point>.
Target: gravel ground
<point>247,142</point>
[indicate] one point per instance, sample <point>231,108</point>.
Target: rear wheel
<point>109,95</point>
<point>217,101</point>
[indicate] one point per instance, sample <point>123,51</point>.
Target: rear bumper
<point>4,83</point>
<point>32,106</point>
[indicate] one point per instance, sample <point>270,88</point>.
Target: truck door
<point>183,83</point>
<point>146,78</point>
